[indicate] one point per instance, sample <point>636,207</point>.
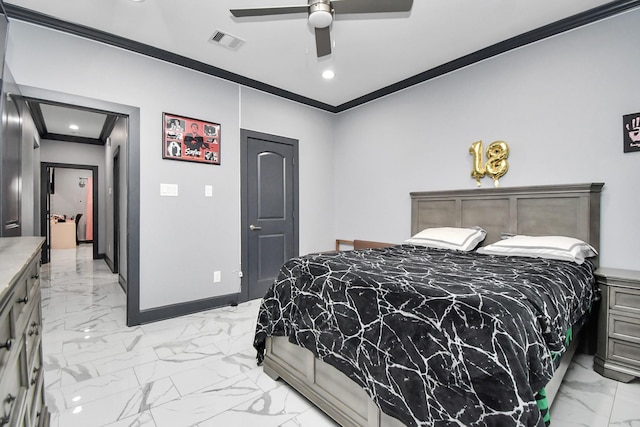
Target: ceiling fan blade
<point>323,42</point>
<point>264,11</point>
<point>371,6</point>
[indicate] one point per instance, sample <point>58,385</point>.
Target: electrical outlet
<point>217,276</point>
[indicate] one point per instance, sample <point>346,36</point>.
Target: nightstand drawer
<point>624,328</point>
<point>623,299</point>
<point>624,352</point>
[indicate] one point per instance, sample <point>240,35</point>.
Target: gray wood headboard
<point>567,210</point>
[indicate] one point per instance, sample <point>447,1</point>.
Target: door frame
<point>245,135</point>
<point>134,316</point>
<point>44,194</point>
<point>116,209</point>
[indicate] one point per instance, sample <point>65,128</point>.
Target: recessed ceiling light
<point>73,127</point>
<point>328,74</point>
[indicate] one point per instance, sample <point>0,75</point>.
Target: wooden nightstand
<point>618,351</point>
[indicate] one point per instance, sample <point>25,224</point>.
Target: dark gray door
<point>47,186</point>
<point>11,168</point>
<point>270,228</point>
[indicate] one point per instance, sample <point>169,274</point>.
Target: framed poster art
<point>631,132</point>
<point>190,140</point>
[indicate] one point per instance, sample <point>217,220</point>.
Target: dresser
<point>21,372</point>
<point>618,349</point>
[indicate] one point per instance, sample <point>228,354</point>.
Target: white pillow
<point>461,239</point>
<point>553,247</point>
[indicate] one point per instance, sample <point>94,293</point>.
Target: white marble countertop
<point>15,254</point>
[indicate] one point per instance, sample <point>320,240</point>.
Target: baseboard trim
<point>137,317</point>
<point>109,263</point>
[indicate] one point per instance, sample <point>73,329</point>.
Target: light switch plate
<point>208,191</point>
<point>169,190</point>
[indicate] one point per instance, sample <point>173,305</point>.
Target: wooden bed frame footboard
<point>339,397</point>
<point>568,210</point>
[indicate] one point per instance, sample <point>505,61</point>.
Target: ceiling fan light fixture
<point>320,15</point>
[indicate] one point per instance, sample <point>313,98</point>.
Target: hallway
<point>200,370</point>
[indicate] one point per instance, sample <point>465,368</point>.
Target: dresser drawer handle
<point>34,329</point>
<point>6,418</point>
<point>34,381</point>
<point>7,345</point>
<point>24,300</point>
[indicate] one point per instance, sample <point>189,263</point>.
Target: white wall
<point>184,239</point>
<point>557,103</point>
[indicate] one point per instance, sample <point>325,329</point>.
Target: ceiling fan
<point>321,14</point>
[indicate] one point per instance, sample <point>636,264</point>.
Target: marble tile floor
<point>199,370</point>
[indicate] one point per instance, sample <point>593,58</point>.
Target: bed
<point>437,373</point>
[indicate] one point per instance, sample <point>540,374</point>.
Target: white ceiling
<point>371,51</point>
<point>59,119</point>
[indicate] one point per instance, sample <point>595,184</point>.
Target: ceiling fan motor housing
<point>320,13</point>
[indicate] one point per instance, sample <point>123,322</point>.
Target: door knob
<point>254,228</point>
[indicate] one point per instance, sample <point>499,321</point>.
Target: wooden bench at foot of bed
<point>361,244</point>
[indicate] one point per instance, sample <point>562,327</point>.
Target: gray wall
<point>184,239</point>
<point>80,154</point>
<point>270,114</point>
<point>557,103</point>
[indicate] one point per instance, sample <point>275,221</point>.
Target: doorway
<point>47,186</point>
<point>269,235</point>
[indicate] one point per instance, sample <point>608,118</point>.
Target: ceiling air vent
<point>226,40</point>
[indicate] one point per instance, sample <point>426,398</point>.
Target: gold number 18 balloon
<point>496,166</point>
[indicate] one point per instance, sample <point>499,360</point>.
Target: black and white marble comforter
<point>436,337</point>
